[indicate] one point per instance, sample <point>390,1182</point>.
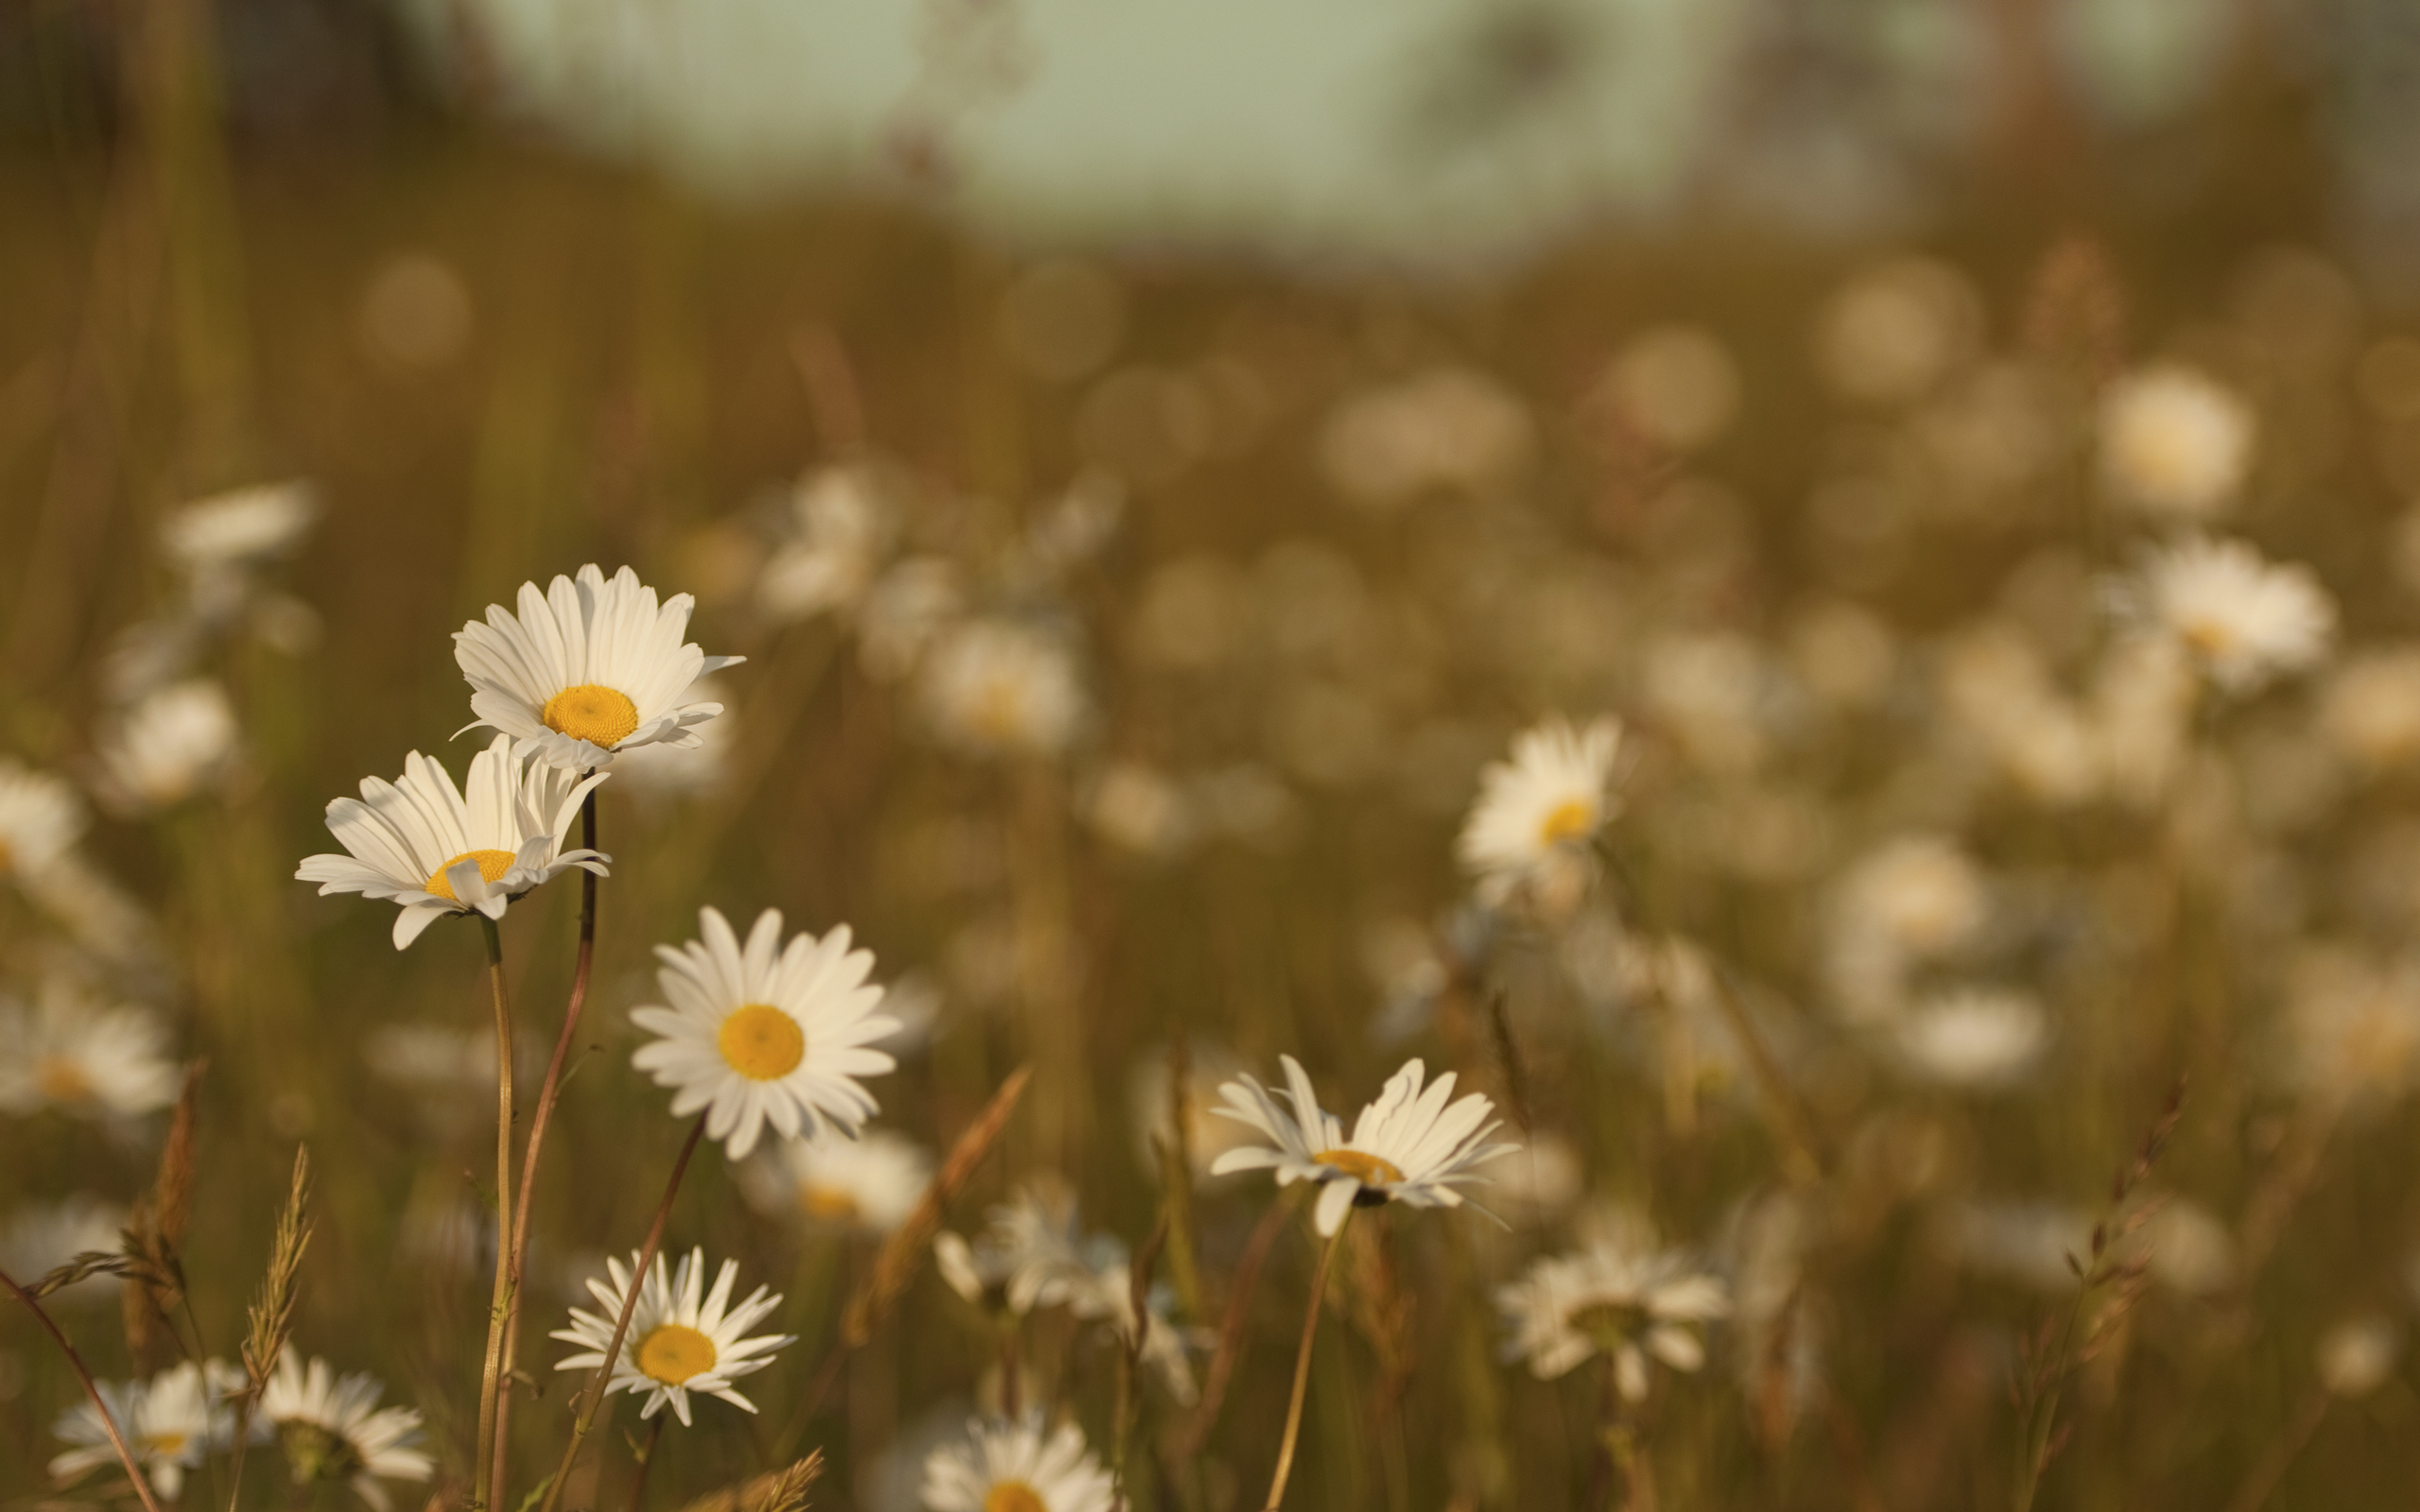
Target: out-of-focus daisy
<point>168,746</point>
<point>82,1055</point>
<point>1030,1254</point>
<point>2352,1025</point>
<point>1408,1147</point>
<point>2371,710</point>
<point>904,613</point>
<point>589,667</point>
<point>765,1033</point>
<point>2174,441</point>
<point>997,687</point>
<point>2241,620</point>
<point>1913,900</point>
<point>1014,1467</point>
<point>1536,813</point>
<point>333,1429</point>
<point>870,1184</point>
<point>172,1423</point>
<point>1138,809</point>
<point>1974,1036</point>
<point>840,527</point>
<point>38,1240</point>
<point>41,818</point>
<point>1108,1295</point>
<point>432,849</point>
<point>682,1339</point>
<point>1618,1297</point>
<point>244,527</point>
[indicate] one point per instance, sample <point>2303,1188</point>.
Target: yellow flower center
<point>492,865</point>
<point>167,1446</point>
<point>673,1352</point>
<point>63,1080</point>
<point>1013,1496</point>
<point>762,1043</point>
<point>829,1203</point>
<point>1365,1168</point>
<point>999,712</point>
<point>2211,637</point>
<point>592,712</point>
<point>1572,819</point>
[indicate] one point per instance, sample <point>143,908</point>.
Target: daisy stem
<point>484,1488</point>
<point>1303,1366</point>
<point>595,1393</point>
<point>646,1462</point>
<point>539,1119</point>
<point>76,1363</point>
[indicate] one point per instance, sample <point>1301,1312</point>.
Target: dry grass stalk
<point>1382,1309</point>
<point>1187,1441</point>
<point>784,1490</point>
<point>270,1319</point>
<point>155,1276</point>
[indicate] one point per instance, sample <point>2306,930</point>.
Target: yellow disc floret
<point>762,1043</point>
<point>492,866</point>
<point>674,1352</point>
<point>1572,819</point>
<point>1363,1166</point>
<point>592,712</point>
<point>63,1080</point>
<point>1013,1496</point>
<point>830,1204</point>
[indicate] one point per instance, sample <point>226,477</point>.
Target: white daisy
<point>841,526</point>
<point>172,1423</point>
<point>1014,1467</point>
<point>587,668</point>
<point>2174,441</point>
<point>41,818</point>
<point>1529,832</point>
<point>2241,620</point>
<point>167,745</point>
<point>420,843</point>
<point>1408,1146</point>
<point>333,1429</point>
<point>682,1337</point>
<point>1619,1297</point>
<point>240,528</point>
<point>82,1055</point>
<point>1030,1254</point>
<point>998,687</point>
<point>765,1033</point>
<point>38,1240</point>
<point>868,1184</point>
<point>1974,1036</point>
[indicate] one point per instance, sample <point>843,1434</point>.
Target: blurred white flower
<point>1030,1253</point>
<point>333,1429</point>
<point>999,687</point>
<point>172,1422</point>
<point>2356,1355</point>
<point>2370,709</point>
<point>1445,428</point>
<point>868,1184</point>
<point>2240,620</point>
<point>1619,1296</point>
<point>83,1055</point>
<point>1911,901</point>
<point>2352,1025</point>
<point>1974,1036</point>
<point>2174,442</point>
<point>907,609</point>
<point>841,525</point>
<point>38,1240</point>
<point>1015,1468</point>
<point>169,744</point>
<point>2027,1243</point>
<point>1528,834</point>
<point>41,818</point>
<point>218,541</point>
<point>1139,810</point>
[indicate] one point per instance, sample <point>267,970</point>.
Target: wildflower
<point>333,1429</point>
<point>83,1056</point>
<point>2356,1355</point>
<point>40,819</point>
<point>1537,813</point>
<point>1031,1253</point>
<point>870,1184</point>
<point>1408,1146</point>
<point>588,669</point>
<point>1014,1467</point>
<point>997,687</point>
<point>841,525</point>
<point>681,1338</point>
<point>240,529</point>
<point>1974,1036</point>
<point>903,613</point>
<point>2240,620</point>
<point>765,1033</point>
<point>172,1423</point>
<point>1914,899</point>
<point>2352,1025</point>
<point>39,1240</point>
<point>2174,441</point>
<point>432,849</point>
<point>168,746</point>
<point>1617,1297</point>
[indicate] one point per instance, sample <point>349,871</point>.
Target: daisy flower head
<point>1528,834</point>
<point>1030,1254</point>
<point>682,1337</point>
<point>1973,1038</point>
<point>333,1429</point>
<point>41,818</point>
<point>868,1184</point>
<point>38,1240</point>
<point>1408,1147</point>
<point>167,745</point>
<point>1016,1467</point>
<point>2239,619</point>
<point>1619,1298</point>
<point>2174,441</point>
<point>172,1423</point>
<point>589,667</point>
<point>1001,687</point>
<point>434,850</point>
<point>243,528</point>
<point>765,1033</point>
<point>83,1055</point>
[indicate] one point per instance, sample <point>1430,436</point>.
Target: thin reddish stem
<point>76,1363</point>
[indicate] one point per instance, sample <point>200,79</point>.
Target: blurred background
<point>1154,456</point>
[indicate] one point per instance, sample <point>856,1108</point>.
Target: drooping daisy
<point>168,746</point>
<point>999,687</point>
<point>2174,441</point>
<point>172,1423</point>
<point>82,1055</point>
<point>1014,1467</point>
<point>420,843</point>
<point>40,819</point>
<point>333,1429</point>
<point>765,1033</point>
<point>682,1339</point>
<point>1408,1146</point>
<point>1975,1037</point>
<point>38,1240</point>
<point>1529,832</point>
<point>1030,1254</point>
<point>2241,620</point>
<point>589,667</point>
<point>1619,1296</point>
<point>868,1184</point>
